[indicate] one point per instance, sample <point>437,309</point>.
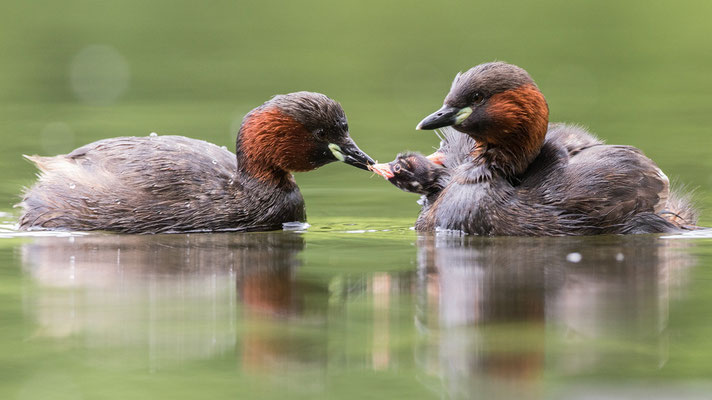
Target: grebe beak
<point>382,169</point>
<point>446,116</point>
<point>349,153</point>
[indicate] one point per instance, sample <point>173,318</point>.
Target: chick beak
<point>445,116</point>
<point>437,158</point>
<point>383,169</point>
<point>349,153</point>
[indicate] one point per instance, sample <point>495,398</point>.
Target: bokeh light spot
<point>99,75</point>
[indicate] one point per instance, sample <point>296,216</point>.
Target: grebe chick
<point>413,172</point>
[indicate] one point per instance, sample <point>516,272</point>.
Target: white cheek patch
<point>336,151</point>
<point>462,115</point>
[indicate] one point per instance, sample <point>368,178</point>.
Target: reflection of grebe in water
<point>215,290</point>
<point>502,307</point>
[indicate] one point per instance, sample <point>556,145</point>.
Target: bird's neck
<point>518,132</point>
<point>262,144</point>
<point>250,167</point>
<point>506,161</point>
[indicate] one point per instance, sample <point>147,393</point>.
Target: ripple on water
<point>698,234</point>
<point>349,228</point>
<point>9,230</point>
<point>295,226</point>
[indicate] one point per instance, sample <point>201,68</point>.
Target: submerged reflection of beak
<point>382,169</point>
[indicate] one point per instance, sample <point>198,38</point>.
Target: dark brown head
<point>412,172</point>
<point>296,132</point>
<point>499,105</point>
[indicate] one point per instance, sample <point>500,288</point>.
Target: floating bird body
<point>159,184</point>
<point>520,175</point>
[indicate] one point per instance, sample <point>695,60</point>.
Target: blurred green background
<point>72,322</point>
<point>634,72</point>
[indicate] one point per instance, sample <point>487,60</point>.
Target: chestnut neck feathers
<point>270,144</point>
<point>509,115</point>
<point>519,123</point>
<point>289,133</point>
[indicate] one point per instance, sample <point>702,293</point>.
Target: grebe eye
<point>477,98</point>
<point>396,168</point>
<point>319,133</point>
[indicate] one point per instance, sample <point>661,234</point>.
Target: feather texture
<point>576,185</point>
<point>153,184</point>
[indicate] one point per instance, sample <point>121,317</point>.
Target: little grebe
<point>427,175</point>
<point>524,176</point>
<point>177,184</point>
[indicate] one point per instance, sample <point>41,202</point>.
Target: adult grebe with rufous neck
<point>176,184</point>
<point>523,176</point>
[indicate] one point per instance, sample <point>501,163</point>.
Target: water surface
<point>326,315</point>
<point>358,305</point>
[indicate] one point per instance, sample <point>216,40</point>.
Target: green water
<point>358,305</point>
